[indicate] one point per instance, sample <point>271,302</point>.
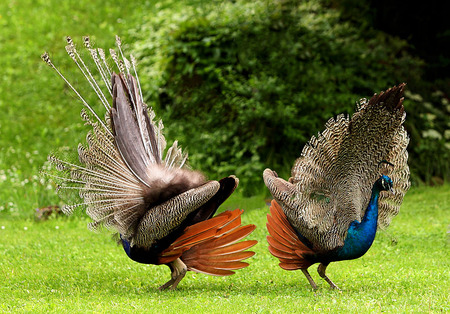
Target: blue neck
<point>126,245</point>
<point>360,235</point>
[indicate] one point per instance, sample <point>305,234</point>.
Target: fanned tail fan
<point>123,170</point>
<point>331,182</point>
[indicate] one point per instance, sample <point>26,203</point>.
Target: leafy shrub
<point>429,130</point>
<point>244,84</point>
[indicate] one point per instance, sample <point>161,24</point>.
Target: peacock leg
<point>179,270</point>
<point>321,270</point>
<point>308,276</point>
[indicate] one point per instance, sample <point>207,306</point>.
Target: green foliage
<point>59,266</point>
<point>427,96</point>
<point>429,129</point>
<point>38,113</point>
<point>244,84</point>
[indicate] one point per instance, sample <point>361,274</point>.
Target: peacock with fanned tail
<point>349,180</point>
<point>162,211</point>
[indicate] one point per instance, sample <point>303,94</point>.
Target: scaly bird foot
<point>167,284</point>
<point>308,276</point>
<point>321,270</point>
<point>178,273</point>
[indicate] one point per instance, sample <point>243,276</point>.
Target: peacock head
<point>384,183</point>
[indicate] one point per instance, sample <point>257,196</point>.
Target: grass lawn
<point>60,266</point>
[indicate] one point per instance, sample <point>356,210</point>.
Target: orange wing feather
<point>210,246</point>
<point>283,241</point>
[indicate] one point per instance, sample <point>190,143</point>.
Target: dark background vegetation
<point>245,84</point>
<point>242,85</point>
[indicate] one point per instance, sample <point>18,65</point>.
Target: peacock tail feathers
<point>124,168</point>
<point>331,182</point>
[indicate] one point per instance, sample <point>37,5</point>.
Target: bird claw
<point>166,285</point>
<point>172,283</point>
<point>332,285</point>
<point>178,273</point>
<point>311,281</point>
<point>321,270</point>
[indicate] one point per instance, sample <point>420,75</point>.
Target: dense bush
<point>245,84</point>
<point>429,129</point>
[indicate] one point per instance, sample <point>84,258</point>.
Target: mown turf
<point>58,265</point>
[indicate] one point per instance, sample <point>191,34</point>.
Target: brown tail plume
<point>284,243</point>
<point>211,246</point>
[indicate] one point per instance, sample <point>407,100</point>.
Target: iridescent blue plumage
<point>360,235</point>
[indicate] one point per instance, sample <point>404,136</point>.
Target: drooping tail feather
<point>210,246</point>
<point>284,243</point>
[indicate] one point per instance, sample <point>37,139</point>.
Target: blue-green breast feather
<point>360,235</point>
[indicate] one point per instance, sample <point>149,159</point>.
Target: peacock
<point>159,209</point>
<point>349,181</point>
